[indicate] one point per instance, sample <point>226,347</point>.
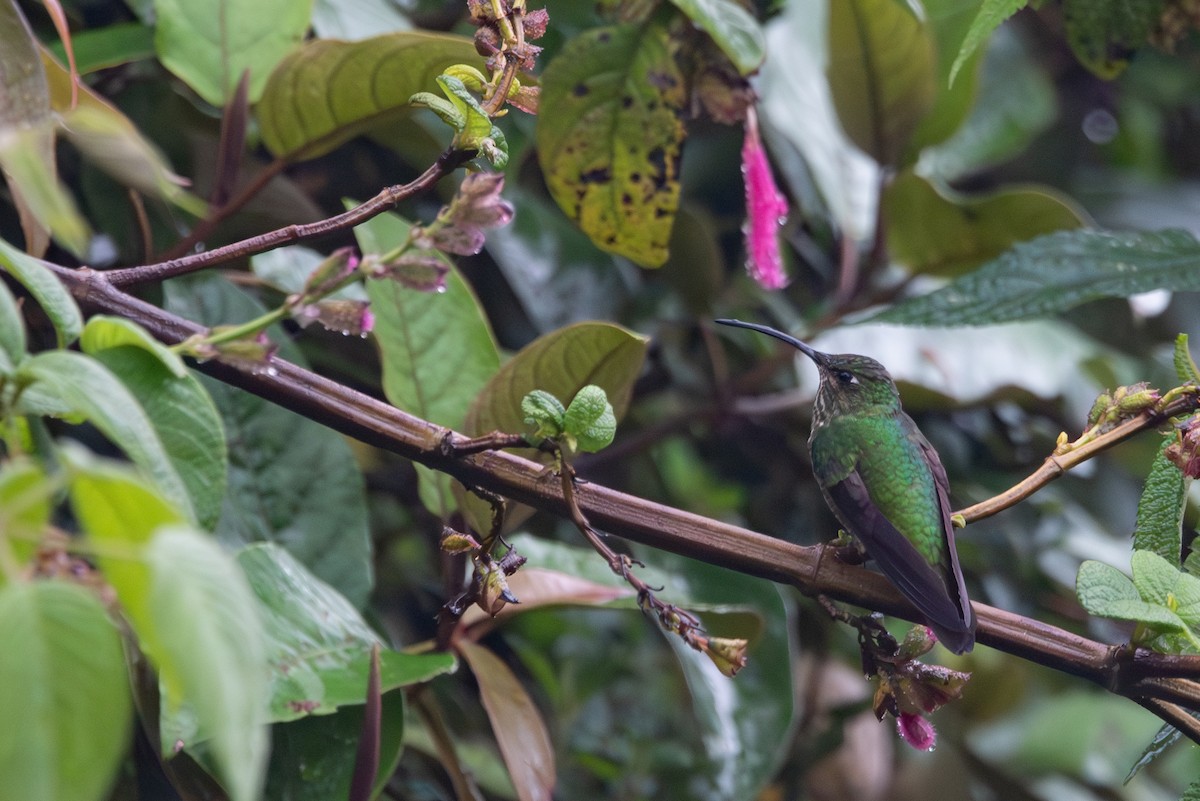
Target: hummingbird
<point>886,485</point>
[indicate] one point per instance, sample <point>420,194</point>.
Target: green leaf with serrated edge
<point>991,14</point>
<point>291,480</point>
<point>64,692</point>
<point>590,420</point>
<point>12,331</point>
<point>201,630</point>
<point>185,419</point>
<point>25,495</point>
<point>1160,581</point>
<point>516,723</point>
<point>610,150</point>
<point>51,295</point>
<point>561,363</point>
<point>208,44</point>
<point>68,383</point>
<point>1098,584</point>
<point>1163,739</point>
<point>1057,272</point>
<point>1105,33</point>
<point>1185,365</point>
<point>312,758</point>
<point>1159,526</point>
<point>1192,793</point>
<point>357,85</point>
<point>437,349</point>
<point>943,234</point>
<point>882,73</point>
<point>544,412</point>
<point>27,134</point>
<point>109,140</point>
<point>318,645</point>
<point>732,27</point>
<point>103,332</point>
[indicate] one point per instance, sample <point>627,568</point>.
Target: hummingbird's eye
<point>846,377</point>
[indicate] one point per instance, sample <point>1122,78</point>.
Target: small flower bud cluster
<point>909,689</point>
<point>489,584</point>
<point>347,316</point>
<point>1185,452</point>
<point>1123,403</point>
<point>490,38</point>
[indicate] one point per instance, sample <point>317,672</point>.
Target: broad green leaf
<point>291,481</point>
<point>991,14</point>
<point>68,383</point>
<point>589,420</point>
<point>1058,272</point>
<point>25,506</point>
<point>200,627</point>
<point>318,645</point>
<point>610,150</point>
<point>1192,793</point>
<point>1185,365</point>
<point>114,505</point>
<point>185,419</point>
<point>328,91</point>
<point>437,348</point>
<point>64,694</point>
<point>105,331</point>
<point>948,21</point>
<point>12,331</point>
<point>210,43</point>
<point>516,723</point>
<point>312,758</point>
<point>561,363</point>
<point>27,134</point>
<point>1105,33</point>
<point>732,27</point>
<point>110,46</point>
<point>544,412</point>
<point>1016,102</point>
<point>943,234</point>
<point>882,72</point>
<point>1160,581</point>
<point>1159,526</point>
<point>51,295</point>
<point>1105,591</point>
<point>109,140</point>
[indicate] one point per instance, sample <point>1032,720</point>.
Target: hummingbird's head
<point>850,383</point>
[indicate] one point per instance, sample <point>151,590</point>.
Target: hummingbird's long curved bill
<point>816,355</point>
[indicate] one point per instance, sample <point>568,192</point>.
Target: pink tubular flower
<point>916,731</point>
<point>766,208</point>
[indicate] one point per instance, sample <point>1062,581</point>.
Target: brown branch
<point>449,161</point>
<point>813,570</point>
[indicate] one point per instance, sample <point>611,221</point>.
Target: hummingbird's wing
<point>943,491</point>
<point>945,608</point>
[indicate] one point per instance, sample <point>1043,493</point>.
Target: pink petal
<point>766,209</point>
<point>916,731</point>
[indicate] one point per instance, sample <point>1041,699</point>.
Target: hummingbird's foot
<point>847,549</point>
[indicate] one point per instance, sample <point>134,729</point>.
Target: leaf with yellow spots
<point>610,134</point>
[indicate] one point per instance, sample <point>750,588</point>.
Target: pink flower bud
<point>916,731</point>
<point>766,208</point>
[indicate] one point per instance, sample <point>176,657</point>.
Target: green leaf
<point>199,625</point>
<point>51,295</point>
<point>12,331</point>
<point>25,494</point>
<point>732,27</point>
<point>1105,591</point>
<point>312,758</point>
<point>1058,272</point>
<point>109,140</point>
<point>318,645</point>
<point>991,14</point>
<point>590,420</point>
<point>437,348</point>
<point>561,363</point>
<point>948,22</point>
<point>610,150</point>
<point>943,234</point>
<point>210,43</point>
<point>64,694</point>
<point>1163,739</point>
<point>1192,793</point>
<point>111,46</point>
<point>104,331</point>
<point>544,412</point>
<point>64,383</point>
<point>358,85</point>
<point>516,723</point>
<point>1105,33</point>
<point>1185,365</point>
<point>1159,526</point>
<point>1160,581</point>
<point>1098,585</point>
<point>881,70</point>
<point>185,419</point>
<point>291,480</point>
